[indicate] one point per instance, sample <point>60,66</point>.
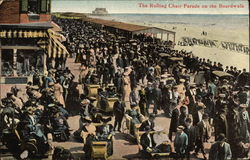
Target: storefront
<point>28,48</point>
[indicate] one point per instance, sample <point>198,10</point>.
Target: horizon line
<point>161,13</point>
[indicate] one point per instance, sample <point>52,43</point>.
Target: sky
<point>135,6</point>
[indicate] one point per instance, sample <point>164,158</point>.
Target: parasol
<point>176,58</point>
<point>222,74</point>
<point>164,55</point>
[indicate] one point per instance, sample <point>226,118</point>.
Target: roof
<point>122,26</point>
<point>37,25</point>
<point>118,25</point>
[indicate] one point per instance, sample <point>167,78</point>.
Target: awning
<point>55,26</point>
<point>22,34</point>
<point>55,47</point>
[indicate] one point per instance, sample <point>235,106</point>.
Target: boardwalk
<point>124,148</point>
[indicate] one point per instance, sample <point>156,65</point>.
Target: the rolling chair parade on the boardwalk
<point>130,81</point>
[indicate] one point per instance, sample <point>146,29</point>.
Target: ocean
<point>228,21</point>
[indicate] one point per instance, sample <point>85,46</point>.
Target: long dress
<point>244,126</point>
<point>58,93</point>
<point>126,88</point>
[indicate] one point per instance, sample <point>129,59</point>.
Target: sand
<point>226,57</point>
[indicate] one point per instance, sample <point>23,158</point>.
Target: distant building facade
<point>27,40</point>
<point>100,11</point>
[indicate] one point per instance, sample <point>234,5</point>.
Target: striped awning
<point>22,34</point>
<point>55,47</point>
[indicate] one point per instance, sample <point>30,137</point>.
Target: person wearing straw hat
<point>220,122</point>
<point>119,110</point>
<point>180,142</point>
<point>199,111</point>
<point>147,142</point>
<point>203,134</point>
<point>118,81</point>
<point>150,122</point>
<point>220,150</point>
<point>174,123</point>
<point>88,134</point>
<point>190,95</point>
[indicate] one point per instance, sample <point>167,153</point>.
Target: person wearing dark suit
<point>210,105</point>
<point>149,96</point>
<point>197,116</point>
<point>191,94</point>
<point>142,102</point>
<point>149,122</point>
<point>133,79</point>
<point>203,134</point>
<point>183,115</point>
<point>220,123</point>
<point>118,82</point>
<point>147,142</point>
<point>119,62</point>
<point>174,123</point>
<point>220,150</point>
<point>191,132</point>
<point>166,100</point>
<point>157,94</point>
<point>119,110</point>
<point>181,142</point>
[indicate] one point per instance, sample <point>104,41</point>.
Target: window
<point>24,6</point>
<point>35,6</point>
<point>45,6</point>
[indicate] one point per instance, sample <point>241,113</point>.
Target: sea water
<point>227,20</point>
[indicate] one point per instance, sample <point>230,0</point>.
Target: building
<point>28,40</point>
<point>129,30</point>
<point>100,11</point>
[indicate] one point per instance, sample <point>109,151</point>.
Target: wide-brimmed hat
<point>243,106</point>
<point>37,94</point>
<point>51,83</point>
<point>85,102</point>
<point>192,85</point>
<point>51,105</point>
<point>247,87</point>
<point>165,76</point>
<point>222,95</point>
<point>221,137</point>
<point>92,98</point>
<point>35,87</point>
<point>106,120</point>
<point>182,80</point>
<point>181,128</point>
<point>88,119</point>
<point>201,106</point>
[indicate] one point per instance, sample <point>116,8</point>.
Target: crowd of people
<point>143,78</point>
<point>27,120</point>
<point>146,73</point>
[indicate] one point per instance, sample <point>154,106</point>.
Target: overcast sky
<point>132,6</point>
